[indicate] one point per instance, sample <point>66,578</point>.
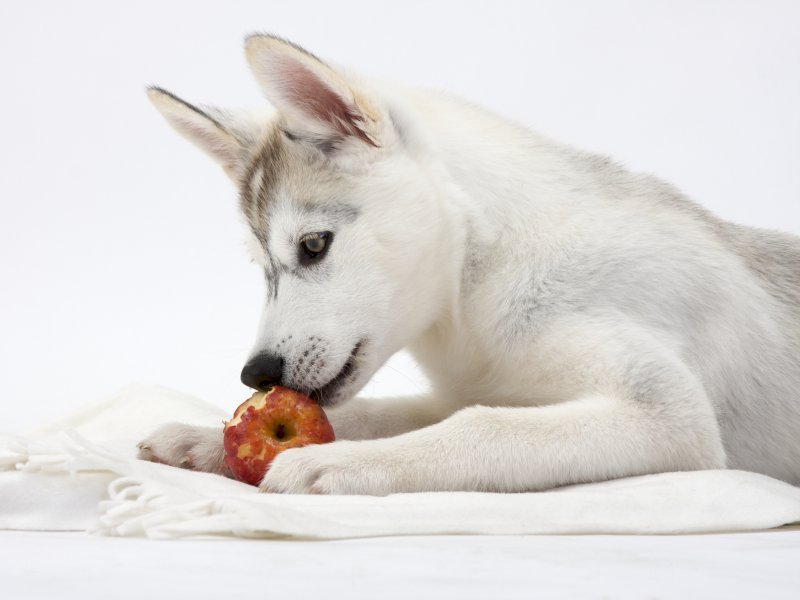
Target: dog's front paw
<point>187,447</point>
<point>344,467</point>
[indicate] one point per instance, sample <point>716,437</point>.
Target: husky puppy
<point>578,322</point>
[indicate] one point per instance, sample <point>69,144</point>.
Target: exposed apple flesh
<point>268,423</point>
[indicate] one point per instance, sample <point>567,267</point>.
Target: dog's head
<point>343,216</point>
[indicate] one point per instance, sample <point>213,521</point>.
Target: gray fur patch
<point>479,260</point>
<point>272,275</point>
<point>269,164</point>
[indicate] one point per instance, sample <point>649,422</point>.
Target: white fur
<point>578,322</point>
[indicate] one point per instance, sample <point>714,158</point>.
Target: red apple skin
<point>268,423</point>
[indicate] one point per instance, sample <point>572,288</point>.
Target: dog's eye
<point>314,245</point>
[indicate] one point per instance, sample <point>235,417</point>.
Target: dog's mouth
<point>325,394</point>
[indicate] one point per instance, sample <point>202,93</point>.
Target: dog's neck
<point>496,181</point>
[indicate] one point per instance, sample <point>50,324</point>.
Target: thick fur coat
<point>578,322</point>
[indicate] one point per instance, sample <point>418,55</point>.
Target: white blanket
<point>79,473</point>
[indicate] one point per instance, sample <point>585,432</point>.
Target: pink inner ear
<point>308,93</point>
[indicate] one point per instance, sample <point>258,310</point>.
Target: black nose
<point>263,371</point>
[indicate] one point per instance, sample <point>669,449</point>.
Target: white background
<point>121,254</point>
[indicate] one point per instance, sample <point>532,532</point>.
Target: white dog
<point>578,322</point>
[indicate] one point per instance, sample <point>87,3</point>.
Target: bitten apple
<point>268,423</point>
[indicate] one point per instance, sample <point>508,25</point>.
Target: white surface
<point>121,255</point>
<point>146,499</point>
<point>708,567</point>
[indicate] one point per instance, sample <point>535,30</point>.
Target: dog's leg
<point>186,446</point>
<point>200,448</point>
<point>639,410</point>
<point>372,418</point>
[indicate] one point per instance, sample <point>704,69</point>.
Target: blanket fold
<point>80,473</point>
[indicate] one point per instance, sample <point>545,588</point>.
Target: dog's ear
<point>317,103</point>
<point>222,135</point>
